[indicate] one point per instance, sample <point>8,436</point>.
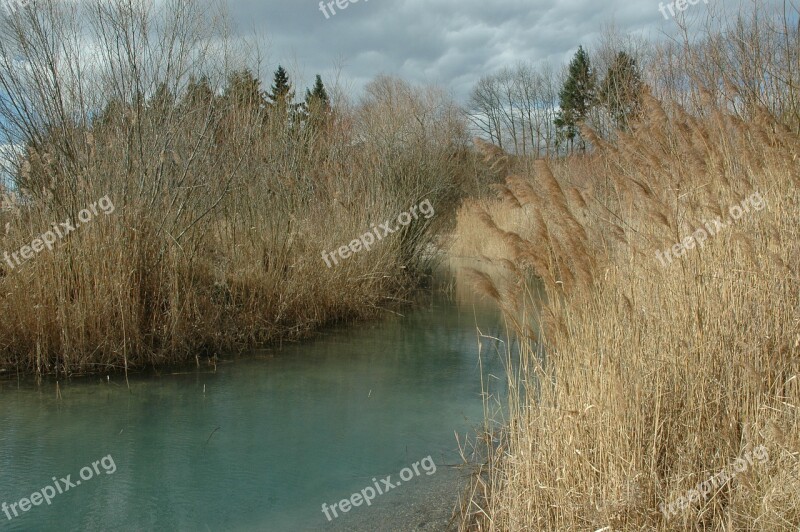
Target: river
<point>262,440</point>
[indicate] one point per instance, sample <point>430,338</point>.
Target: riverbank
<point>264,439</point>
<point>240,219</point>
<point>649,379</point>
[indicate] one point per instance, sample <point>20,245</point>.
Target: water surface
<point>264,440</point>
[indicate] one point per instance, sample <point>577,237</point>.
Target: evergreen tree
<point>244,90</point>
<point>198,93</point>
<point>318,96</point>
<point>111,114</point>
<point>577,96</point>
<point>281,101</point>
<point>621,90</point>
<point>317,105</point>
<point>281,93</point>
<point>162,102</point>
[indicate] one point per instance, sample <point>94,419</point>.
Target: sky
<point>449,43</point>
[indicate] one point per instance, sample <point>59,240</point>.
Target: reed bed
<point>224,200</point>
<point>644,380</point>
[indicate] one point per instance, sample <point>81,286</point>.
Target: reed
<point>644,381</point>
<point>224,203</point>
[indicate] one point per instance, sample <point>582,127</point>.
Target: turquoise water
<point>262,442</point>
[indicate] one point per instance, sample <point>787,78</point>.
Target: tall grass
<point>647,380</point>
<point>223,204</point>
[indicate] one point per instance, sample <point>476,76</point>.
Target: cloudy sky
<point>450,43</point>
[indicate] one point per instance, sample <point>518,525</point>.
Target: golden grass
<point>216,241</point>
<point>225,199</point>
<point>646,380</point>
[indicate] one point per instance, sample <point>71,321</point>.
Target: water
<point>262,442</point>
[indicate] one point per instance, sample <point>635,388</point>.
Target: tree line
<point>242,90</point>
<point>537,112</point>
<point>745,64</point>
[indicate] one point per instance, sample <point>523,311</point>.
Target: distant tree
<point>577,96</point>
<point>281,92</point>
<point>516,106</point>
<point>318,97</point>
<point>281,100</point>
<point>317,105</point>
<point>199,93</point>
<point>163,102</point>
<point>243,90</point>
<point>621,90</point>
<point>485,109</point>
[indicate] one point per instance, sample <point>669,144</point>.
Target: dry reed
<point>646,380</point>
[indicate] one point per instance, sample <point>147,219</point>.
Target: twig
<point>212,433</point>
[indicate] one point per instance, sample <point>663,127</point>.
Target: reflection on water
<point>264,441</point>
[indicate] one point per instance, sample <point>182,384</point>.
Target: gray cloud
<point>450,43</point>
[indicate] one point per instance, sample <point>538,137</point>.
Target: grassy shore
<point>647,379</point>
<point>224,200</point>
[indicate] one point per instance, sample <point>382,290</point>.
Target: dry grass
<point>224,203</point>
<point>645,380</point>
<point>228,258</point>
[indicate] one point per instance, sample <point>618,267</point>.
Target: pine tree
<point>621,90</point>
<point>281,93</point>
<point>244,90</point>
<point>282,108</point>
<point>577,96</point>
<point>317,105</point>
<point>319,94</point>
<point>199,93</point>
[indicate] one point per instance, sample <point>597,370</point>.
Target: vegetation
<point>576,97</point>
<point>225,197</point>
<point>621,91</point>
<point>635,382</point>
